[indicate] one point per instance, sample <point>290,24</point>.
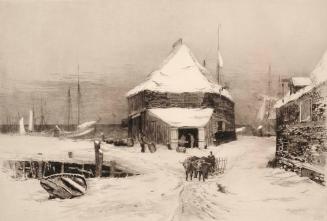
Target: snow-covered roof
<point>296,81</point>
<point>183,117</point>
<point>318,76</point>
<point>301,81</point>
<point>291,97</point>
<point>179,73</point>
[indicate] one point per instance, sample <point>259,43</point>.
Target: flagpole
<point>218,65</point>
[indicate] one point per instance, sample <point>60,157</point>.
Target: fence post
<point>112,168</point>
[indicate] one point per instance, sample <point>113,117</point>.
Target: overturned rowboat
<point>64,185</point>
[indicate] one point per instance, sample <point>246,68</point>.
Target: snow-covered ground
<point>253,192</point>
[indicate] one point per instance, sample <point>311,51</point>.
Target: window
<point>305,110</point>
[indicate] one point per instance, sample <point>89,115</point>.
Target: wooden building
<point>177,101</point>
<point>302,122</point>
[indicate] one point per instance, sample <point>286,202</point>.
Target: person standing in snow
<point>212,160</point>
<point>142,142</point>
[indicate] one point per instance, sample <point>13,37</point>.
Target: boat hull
<point>64,185</point>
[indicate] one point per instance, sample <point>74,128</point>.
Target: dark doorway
<point>188,137</point>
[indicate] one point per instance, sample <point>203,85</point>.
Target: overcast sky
<point>117,43</point>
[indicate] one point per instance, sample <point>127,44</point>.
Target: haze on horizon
<point>118,43</point>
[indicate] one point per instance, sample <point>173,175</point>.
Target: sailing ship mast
<point>266,120</point>
<point>69,108</point>
<point>79,95</point>
<point>269,81</point>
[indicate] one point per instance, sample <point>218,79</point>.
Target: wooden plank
<point>45,167</point>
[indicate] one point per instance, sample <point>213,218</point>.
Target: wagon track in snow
<point>194,201</point>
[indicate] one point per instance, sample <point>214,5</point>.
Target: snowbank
<point>179,73</point>
<point>253,192</point>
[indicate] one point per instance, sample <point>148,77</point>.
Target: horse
<point>189,167</point>
<point>211,161</point>
<point>202,168</point>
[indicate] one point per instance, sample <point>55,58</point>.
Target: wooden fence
<point>221,164</point>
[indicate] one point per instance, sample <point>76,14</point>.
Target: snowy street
<point>247,191</point>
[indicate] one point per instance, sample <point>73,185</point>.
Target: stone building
<point>301,122</point>
<point>177,101</point>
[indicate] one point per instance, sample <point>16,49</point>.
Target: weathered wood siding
<point>156,130</point>
<point>301,125</point>
<point>151,99</point>
<point>223,112</point>
<point>135,103</point>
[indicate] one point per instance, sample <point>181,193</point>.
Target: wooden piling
<point>45,166</point>
<point>112,168</point>
<point>33,169</point>
<point>15,170</point>
<point>40,170</point>
<point>98,158</point>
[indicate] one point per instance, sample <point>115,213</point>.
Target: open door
<point>188,137</point>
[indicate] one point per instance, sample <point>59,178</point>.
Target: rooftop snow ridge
<point>180,72</point>
<point>319,74</point>
<point>301,81</point>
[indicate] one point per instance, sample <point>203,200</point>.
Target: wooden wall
<point>156,130</point>
<point>151,99</point>
<point>300,128</point>
<point>223,111</point>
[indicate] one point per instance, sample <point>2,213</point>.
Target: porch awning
<point>183,117</point>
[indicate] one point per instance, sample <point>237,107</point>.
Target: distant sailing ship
<point>32,128</point>
<point>266,114</point>
<point>82,130</point>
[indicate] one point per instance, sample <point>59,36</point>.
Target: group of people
<point>142,140</point>
<point>187,140</point>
